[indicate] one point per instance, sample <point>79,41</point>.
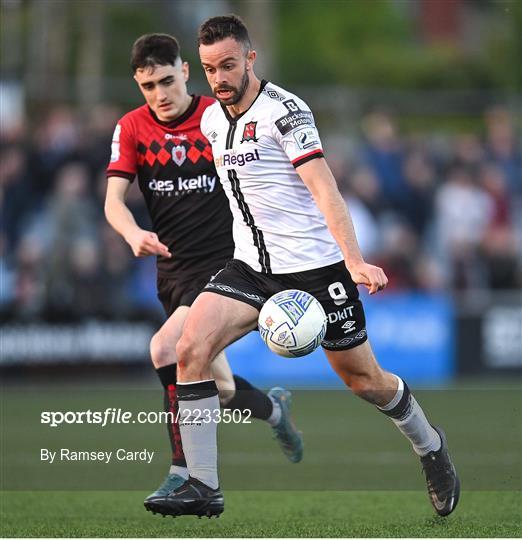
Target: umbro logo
<point>348,326</point>
<point>274,95</point>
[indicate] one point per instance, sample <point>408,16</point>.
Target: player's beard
<point>237,93</point>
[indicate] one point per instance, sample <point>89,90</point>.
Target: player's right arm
<point>121,172</point>
<point>142,242</point>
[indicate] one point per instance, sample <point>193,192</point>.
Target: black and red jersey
<point>174,165</point>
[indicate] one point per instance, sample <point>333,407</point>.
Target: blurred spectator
<point>383,154</point>
<point>16,196</point>
<point>56,140</point>
<point>502,148</point>
<point>68,217</point>
<point>29,283</point>
<point>88,287</point>
<point>493,181</point>
<point>365,187</point>
<point>468,153</point>
<point>7,273</point>
<point>417,205</point>
<point>463,214</point>
<point>398,254</point>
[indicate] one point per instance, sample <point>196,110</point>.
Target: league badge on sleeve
<point>306,137</point>
<point>249,132</point>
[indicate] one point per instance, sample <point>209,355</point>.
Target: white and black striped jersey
<point>277,226</point>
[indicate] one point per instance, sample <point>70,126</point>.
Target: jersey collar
<point>234,119</point>
<point>180,119</point>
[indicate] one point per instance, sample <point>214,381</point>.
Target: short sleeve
<point>123,161</point>
<point>203,124</point>
<point>294,129</point>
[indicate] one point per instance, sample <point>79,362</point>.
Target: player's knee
<point>162,350</point>
<point>191,352</point>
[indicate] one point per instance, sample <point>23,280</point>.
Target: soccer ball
<point>292,323</point>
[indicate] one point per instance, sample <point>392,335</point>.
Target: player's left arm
<point>318,178</point>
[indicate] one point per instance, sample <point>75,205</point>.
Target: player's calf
<point>359,370</point>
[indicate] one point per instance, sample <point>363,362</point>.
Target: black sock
<point>168,378</point>
<point>251,398</point>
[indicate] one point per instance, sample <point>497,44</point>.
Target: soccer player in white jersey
<point>291,230</point>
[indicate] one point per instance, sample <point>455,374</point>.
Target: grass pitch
<point>262,514</point>
<point>358,478</point>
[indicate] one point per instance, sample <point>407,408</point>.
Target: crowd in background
<point>438,213</point>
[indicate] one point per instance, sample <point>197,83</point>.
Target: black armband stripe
<point>123,174</point>
<point>308,157</point>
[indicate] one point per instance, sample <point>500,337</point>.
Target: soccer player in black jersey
<point>161,143</point>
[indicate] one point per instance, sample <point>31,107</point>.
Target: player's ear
<point>137,82</point>
<point>185,68</point>
<point>251,58</point>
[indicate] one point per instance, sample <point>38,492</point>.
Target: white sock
<point>411,421</point>
<point>180,471</point>
<point>275,417</point>
<point>199,437</point>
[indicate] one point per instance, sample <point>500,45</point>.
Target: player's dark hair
<point>222,27</point>
<point>154,49</point>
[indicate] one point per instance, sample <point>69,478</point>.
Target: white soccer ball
<point>292,323</point>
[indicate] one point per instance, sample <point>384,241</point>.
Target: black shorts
<point>331,285</point>
<point>182,289</point>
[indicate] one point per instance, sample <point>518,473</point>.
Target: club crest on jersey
<point>179,154</point>
<point>249,132</point>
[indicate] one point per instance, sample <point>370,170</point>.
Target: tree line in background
<point>77,51</point>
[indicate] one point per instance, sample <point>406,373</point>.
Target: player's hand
<point>144,243</point>
<point>372,277</point>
